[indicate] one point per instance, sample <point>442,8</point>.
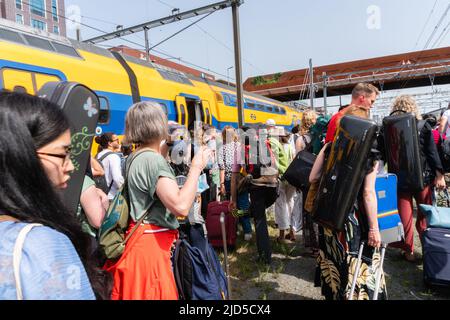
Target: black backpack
<point>100,182</point>
<point>198,273</point>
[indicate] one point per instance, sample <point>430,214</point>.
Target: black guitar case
<point>402,151</point>
<point>344,171</point>
<point>81,106</point>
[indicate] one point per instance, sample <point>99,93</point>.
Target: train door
<point>206,112</point>
<point>181,110</point>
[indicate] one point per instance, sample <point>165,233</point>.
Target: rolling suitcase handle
<point>379,272</point>
<point>225,252</point>
<point>377,276</point>
<point>358,266</point>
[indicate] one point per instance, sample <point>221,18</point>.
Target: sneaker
<point>247,236</point>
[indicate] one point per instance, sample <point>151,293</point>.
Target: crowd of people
<point>171,174</point>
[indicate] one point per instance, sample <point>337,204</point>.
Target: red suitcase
<point>213,227</point>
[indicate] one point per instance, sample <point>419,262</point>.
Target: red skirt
<point>144,271</point>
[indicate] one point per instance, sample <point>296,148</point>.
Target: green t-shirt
<point>278,150</point>
<point>143,176</point>
<point>85,226</point>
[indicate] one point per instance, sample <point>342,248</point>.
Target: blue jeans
<point>243,203</point>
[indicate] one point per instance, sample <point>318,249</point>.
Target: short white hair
<point>145,122</point>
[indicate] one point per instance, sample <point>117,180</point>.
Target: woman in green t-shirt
<point>145,270</point>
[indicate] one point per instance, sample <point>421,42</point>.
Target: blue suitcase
<point>436,257</point>
<point>389,222</point>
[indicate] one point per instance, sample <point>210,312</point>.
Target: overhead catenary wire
<point>442,35</point>
<point>437,27</point>
<point>181,30</point>
<point>426,23</point>
<point>229,49</point>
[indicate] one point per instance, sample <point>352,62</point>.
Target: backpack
<point>318,133</point>
<point>253,163</point>
<point>100,181</point>
<point>198,274</point>
<point>111,233</point>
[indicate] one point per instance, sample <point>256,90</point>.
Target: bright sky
<point>280,35</point>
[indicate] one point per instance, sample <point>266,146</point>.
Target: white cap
<point>271,122</point>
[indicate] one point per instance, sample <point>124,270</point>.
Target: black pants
<point>260,199</point>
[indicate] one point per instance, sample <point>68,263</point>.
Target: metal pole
<point>311,84</point>
<point>225,252</point>
<point>237,62</point>
<point>78,34</point>
<point>325,91</point>
<point>147,45</point>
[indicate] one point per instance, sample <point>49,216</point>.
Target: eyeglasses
<point>66,156</point>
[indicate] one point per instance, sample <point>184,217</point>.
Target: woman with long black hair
<point>44,254</point>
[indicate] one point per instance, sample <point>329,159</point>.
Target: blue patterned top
<point>50,268</point>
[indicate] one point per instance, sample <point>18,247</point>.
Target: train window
<point>172,76</point>
<point>283,110</point>
<point>42,79</point>
<point>61,48</point>
<point>104,115</point>
<point>10,36</point>
<point>12,78</point>
<point>39,43</point>
<point>276,109</point>
<point>251,105</point>
<point>259,107</point>
<point>269,108</point>
<point>20,89</point>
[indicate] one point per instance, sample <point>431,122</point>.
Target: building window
<point>19,18</point>
<point>54,10</point>
<point>55,29</point>
<point>19,4</point>
<point>37,7</point>
<point>38,24</point>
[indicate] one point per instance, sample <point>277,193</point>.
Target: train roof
<point>26,35</point>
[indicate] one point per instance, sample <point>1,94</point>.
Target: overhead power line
<point>442,35</point>
<point>426,23</point>
<point>188,26</point>
<point>437,27</point>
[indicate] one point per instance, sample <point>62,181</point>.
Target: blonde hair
<point>234,136</point>
<point>308,120</point>
<point>406,103</point>
<point>145,122</point>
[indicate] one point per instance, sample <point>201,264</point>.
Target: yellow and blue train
<point>29,58</point>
